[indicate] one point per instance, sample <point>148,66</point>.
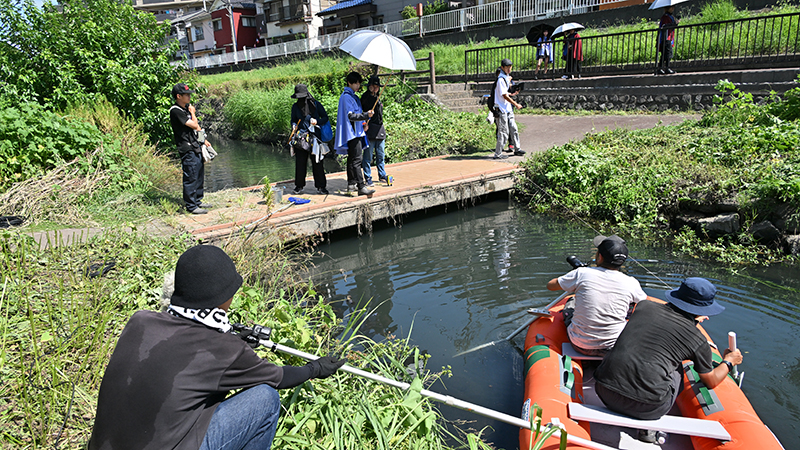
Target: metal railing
<point>503,11</point>
<point>759,42</point>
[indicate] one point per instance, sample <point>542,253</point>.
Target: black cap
<point>300,91</point>
<point>612,249</point>
<point>505,62</point>
<point>205,277</point>
<point>374,80</point>
<point>181,88</point>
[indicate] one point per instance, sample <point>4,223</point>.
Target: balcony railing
<point>504,11</point>
<point>760,42</point>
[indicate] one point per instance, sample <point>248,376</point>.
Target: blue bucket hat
<point>696,296</point>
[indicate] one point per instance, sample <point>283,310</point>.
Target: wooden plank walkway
<point>418,185</point>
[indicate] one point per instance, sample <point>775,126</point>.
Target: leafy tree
<point>86,50</point>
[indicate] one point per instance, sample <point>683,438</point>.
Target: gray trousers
<point>506,131</point>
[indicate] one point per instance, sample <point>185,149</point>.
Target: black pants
<point>573,66</point>
<point>355,175</point>
<point>301,169</point>
<point>193,174</point>
<point>643,411</point>
<point>666,54</point>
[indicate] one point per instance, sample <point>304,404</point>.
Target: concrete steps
<point>469,97</point>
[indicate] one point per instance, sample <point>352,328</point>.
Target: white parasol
<point>380,48</point>
<point>664,3</point>
<point>567,27</point>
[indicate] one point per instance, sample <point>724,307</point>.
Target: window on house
<point>248,21</point>
<point>198,33</point>
<point>217,23</point>
<point>275,11</point>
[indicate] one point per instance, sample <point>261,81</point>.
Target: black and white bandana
<point>211,317</point>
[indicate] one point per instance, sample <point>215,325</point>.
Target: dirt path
<point>542,132</point>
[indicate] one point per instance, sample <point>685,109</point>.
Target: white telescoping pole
<point>446,399</point>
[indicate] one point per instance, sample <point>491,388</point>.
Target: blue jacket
<point>347,130</point>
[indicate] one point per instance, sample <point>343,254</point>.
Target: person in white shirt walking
<point>506,125</point>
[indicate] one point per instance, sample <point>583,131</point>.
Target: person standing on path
<point>185,126</point>
<point>376,133</point>
<point>504,119</point>
<point>666,40</point>
<point>544,52</point>
<point>307,114</point>
<point>350,135</point>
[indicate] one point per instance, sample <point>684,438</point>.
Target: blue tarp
<point>343,5</point>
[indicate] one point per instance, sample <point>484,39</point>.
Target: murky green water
<point>466,277</point>
<point>242,164</point>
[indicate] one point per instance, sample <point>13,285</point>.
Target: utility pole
<point>233,32</point>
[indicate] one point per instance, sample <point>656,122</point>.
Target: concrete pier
<point>418,185</point>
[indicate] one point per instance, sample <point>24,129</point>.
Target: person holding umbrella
<point>350,135</point>
<point>573,51</point>
<point>544,52</point>
<point>666,40</point>
<point>376,133</point>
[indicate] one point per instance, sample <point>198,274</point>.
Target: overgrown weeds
<point>87,166</point>
<point>636,181</point>
<point>62,310</point>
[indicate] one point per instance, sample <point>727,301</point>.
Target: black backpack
<point>490,99</point>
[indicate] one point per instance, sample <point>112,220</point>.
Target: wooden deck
<point>418,185</point>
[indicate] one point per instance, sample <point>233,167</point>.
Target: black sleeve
<point>296,115</point>
<point>295,376</point>
<point>353,117</point>
<point>365,103</point>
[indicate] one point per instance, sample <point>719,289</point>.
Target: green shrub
<point>86,50</point>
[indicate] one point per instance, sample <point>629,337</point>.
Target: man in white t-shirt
<point>504,118</point>
<point>603,296</point>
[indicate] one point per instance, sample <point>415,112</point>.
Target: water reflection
<point>242,164</point>
<point>466,278</point>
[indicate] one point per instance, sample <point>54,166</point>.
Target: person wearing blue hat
<point>641,376</point>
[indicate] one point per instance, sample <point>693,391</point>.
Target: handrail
<point>502,11</point>
<point>753,42</point>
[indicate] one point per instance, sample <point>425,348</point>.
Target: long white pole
<point>539,312</point>
<point>732,347</point>
<point>446,399</point>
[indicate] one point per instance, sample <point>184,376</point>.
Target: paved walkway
<point>542,132</point>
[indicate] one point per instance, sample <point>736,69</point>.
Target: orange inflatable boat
<point>554,381</point>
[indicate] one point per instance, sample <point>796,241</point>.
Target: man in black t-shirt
<point>641,376</point>
<point>168,381</point>
<point>184,127</point>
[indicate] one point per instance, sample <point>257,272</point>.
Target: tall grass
<point>116,178</point>
<point>314,65</point>
<point>636,180</point>
<point>61,315</point>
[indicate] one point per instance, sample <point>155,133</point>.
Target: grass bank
<point>743,158</point>
<point>85,166</point>
<point>61,314</point>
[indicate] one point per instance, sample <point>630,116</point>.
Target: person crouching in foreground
<point>168,378</point>
<point>641,376</point>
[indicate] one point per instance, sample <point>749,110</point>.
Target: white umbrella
<point>567,27</point>
<point>380,48</point>
<point>664,3</point>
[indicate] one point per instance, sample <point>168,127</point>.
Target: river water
<point>464,278</point>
